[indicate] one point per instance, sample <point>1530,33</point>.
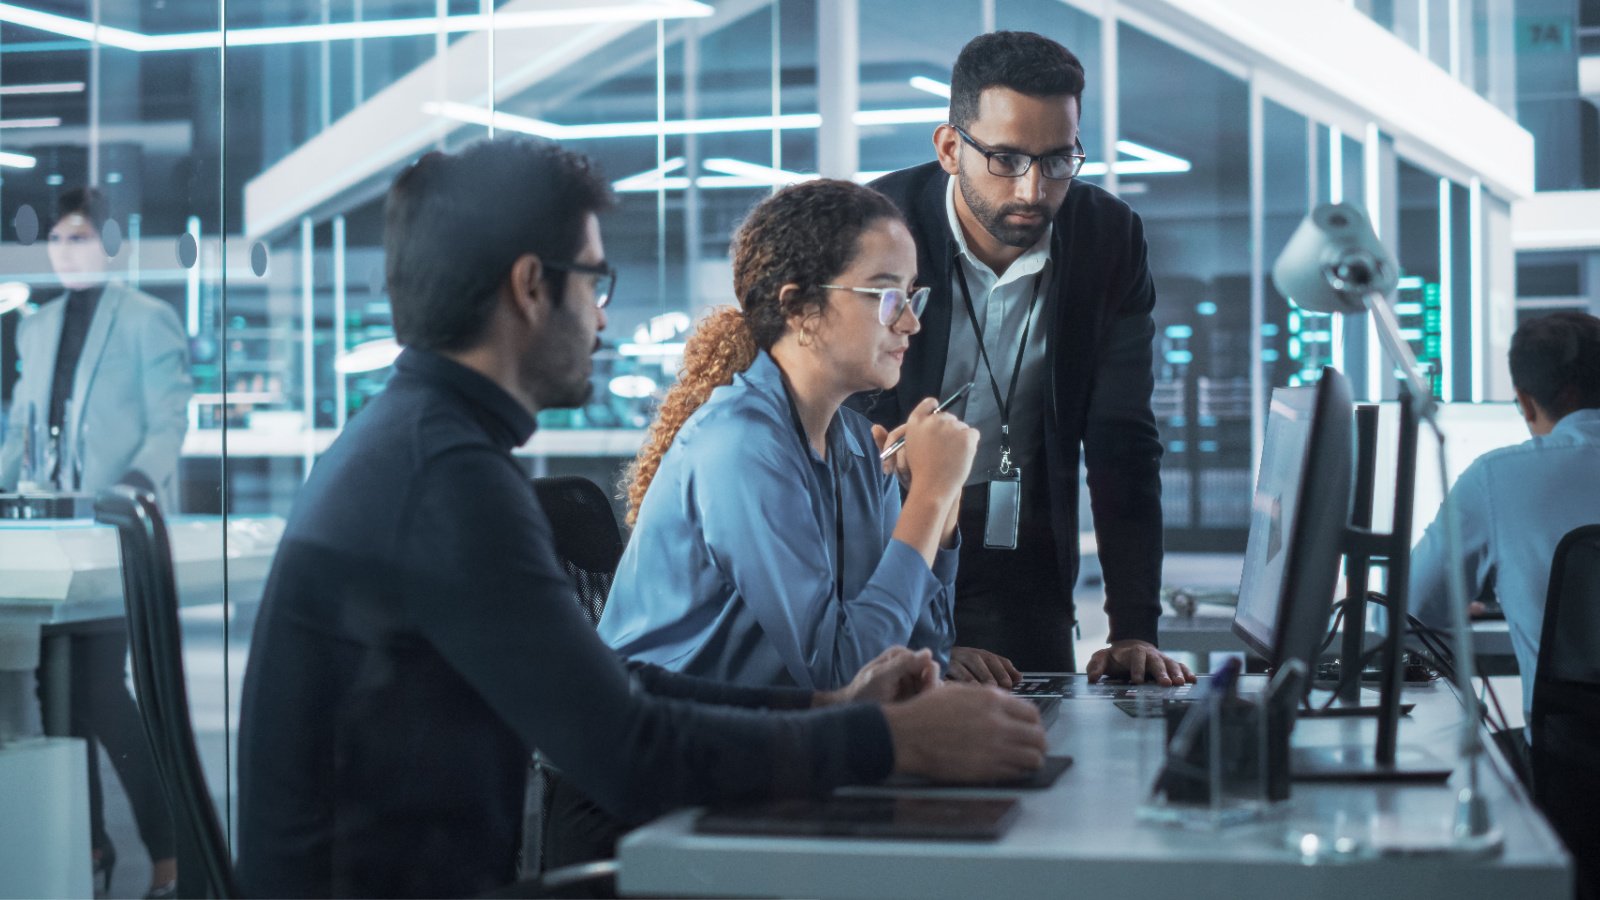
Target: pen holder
<point>1228,767</point>
<point>1243,752</point>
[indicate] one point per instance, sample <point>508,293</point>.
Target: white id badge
<point>1005,501</point>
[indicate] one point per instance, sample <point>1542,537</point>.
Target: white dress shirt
<point>1001,303</point>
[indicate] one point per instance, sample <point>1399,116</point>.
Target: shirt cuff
<point>944,562</point>
<point>903,565</point>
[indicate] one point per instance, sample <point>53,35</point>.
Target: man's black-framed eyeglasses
<point>1011,164</point>
<point>605,278</point>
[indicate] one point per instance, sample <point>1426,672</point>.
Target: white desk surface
<point>70,570</point>
<point>1210,630</point>
<point>1081,837</point>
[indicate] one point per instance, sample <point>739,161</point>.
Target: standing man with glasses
<point>1042,296</point>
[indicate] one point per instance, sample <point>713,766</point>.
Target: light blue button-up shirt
<point>1514,505</point>
<point>730,572</point>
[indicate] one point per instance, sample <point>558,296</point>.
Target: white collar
<point>1030,262</point>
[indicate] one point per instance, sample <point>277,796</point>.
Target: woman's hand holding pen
<point>932,467</point>
<point>938,450</point>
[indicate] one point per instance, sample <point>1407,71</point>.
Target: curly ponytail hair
<point>805,234</point>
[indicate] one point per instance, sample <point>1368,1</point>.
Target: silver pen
<point>894,448</point>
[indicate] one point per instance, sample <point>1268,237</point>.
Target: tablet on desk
<point>1038,780</point>
<point>895,818</point>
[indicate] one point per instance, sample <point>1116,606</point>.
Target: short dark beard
<point>993,219</point>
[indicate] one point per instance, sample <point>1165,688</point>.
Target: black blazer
<point>1099,356</point>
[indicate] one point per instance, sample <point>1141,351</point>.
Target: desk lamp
<point>1334,263</point>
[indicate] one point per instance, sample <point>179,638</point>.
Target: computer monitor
<point>1473,428</point>
<point>1300,528</point>
<point>1298,519</point>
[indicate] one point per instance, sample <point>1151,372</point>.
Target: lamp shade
<point>1333,260</point>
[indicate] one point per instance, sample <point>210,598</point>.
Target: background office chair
<point>204,863</point>
<point>588,541</point>
<point>151,593</point>
<point>1565,723</point>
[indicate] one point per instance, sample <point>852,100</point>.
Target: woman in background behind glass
<point>104,393</point>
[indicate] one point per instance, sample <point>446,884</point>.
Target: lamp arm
<point>1400,351</point>
<point>1472,811</point>
<point>1473,822</point>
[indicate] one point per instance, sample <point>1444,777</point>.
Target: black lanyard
<point>1016,369</point>
<point>838,495</point>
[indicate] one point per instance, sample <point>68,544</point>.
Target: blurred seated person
<point>770,544</point>
<point>1515,504</point>
<point>103,398</point>
<point>418,639</point>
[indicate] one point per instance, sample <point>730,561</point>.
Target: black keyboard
<point>1049,707</point>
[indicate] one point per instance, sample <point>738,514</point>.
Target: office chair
<point>1564,728</point>
<point>205,868</point>
<point>588,541</point>
<point>151,593</point>
<point>589,544</point>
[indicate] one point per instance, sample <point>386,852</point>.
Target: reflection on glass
<point>1197,226</point>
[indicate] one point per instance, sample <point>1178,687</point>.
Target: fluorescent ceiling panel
<point>51,87</point>
<point>649,10</point>
<point>40,122</point>
<point>477,115</point>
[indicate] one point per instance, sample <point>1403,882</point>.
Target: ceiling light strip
<point>51,87</point>
<point>346,31</point>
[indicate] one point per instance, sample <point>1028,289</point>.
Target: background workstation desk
<point>57,576</point>
<point>65,571</point>
<point>1210,630</point>
<point>1081,837</point>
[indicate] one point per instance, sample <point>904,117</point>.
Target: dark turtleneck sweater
<point>418,640</point>
<point>75,322</point>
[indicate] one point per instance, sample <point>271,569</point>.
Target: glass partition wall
<point>243,151</point>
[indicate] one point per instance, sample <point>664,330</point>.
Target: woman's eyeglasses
<point>891,301</point>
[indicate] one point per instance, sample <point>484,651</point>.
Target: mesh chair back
<point>588,541</point>
<point>151,593</point>
<point>1565,724</point>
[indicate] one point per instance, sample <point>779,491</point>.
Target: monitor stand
<point>1343,707</point>
<point>1360,763</point>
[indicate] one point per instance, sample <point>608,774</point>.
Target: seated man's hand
<point>982,667</point>
<point>896,674</point>
<point>1139,661</point>
<point>966,733</point>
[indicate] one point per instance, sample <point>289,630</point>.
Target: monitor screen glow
<point>1272,511</point>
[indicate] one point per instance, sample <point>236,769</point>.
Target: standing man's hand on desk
<point>1139,661</point>
<point>960,732</point>
<point>896,674</point>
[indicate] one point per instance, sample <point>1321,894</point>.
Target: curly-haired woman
<point>770,544</point>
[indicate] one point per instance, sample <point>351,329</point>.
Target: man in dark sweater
<point>418,639</point>
<point>1042,297</point>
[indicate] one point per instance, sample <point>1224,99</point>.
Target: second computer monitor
<point>1298,520</point>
